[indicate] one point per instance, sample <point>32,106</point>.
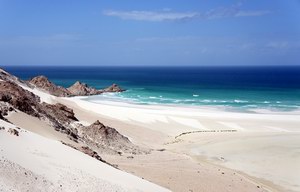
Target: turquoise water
<point>230,99</point>
<point>234,88</point>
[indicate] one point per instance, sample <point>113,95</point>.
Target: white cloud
<point>169,15</point>
<point>151,15</point>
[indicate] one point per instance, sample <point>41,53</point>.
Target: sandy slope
<point>42,164</point>
<point>178,172</point>
<point>259,143</point>
<point>36,125</point>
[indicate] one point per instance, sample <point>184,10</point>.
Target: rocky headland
<point>77,89</point>
<point>93,140</point>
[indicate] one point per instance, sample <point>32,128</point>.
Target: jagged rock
<point>43,83</point>
<point>13,131</point>
<point>98,137</point>
<point>58,115</point>
<point>18,97</point>
<point>87,150</point>
<point>113,88</point>
<point>82,89</point>
<point>90,152</point>
<point>5,76</point>
<point>5,97</point>
<point>104,134</point>
<point>5,108</point>
<point>77,89</point>
<point>106,139</point>
<point>60,112</point>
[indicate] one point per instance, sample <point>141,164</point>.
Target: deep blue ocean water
<point>235,88</point>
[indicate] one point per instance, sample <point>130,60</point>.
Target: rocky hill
<point>43,83</point>
<point>77,89</point>
<point>113,88</point>
<point>108,139</point>
<point>98,137</point>
<point>5,76</point>
<point>82,89</point>
<point>13,97</point>
<point>19,98</point>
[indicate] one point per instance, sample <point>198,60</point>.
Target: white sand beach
<point>250,143</point>
<point>193,149</point>
<point>48,165</point>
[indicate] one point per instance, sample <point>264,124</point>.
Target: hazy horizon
<point>156,33</point>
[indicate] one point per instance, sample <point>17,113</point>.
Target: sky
<point>149,32</point>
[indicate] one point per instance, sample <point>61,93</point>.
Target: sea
<point>246,89</point>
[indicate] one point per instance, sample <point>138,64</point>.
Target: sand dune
<point>49,165</point>
<point>260,141</point>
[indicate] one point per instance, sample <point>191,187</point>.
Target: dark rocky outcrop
<point>113,88</point>
<point>82,89</point>
<point>60,112</point>
<point>77,89</point>
<point>107,139</point>
<point>43,83</point>
<point>5,76</point>
<point>14,96</point>
<point>5,108</point>
<point>90,152</point>
<point>13,131</point>
<point>19,98</point>
<point>98,137</point>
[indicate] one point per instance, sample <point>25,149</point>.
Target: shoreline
<point>170,123</point>
<point>211,108</point>
<point>164,110</point>
<point>166,121</point>
<point>277,107</point>
<point>186,148</point>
